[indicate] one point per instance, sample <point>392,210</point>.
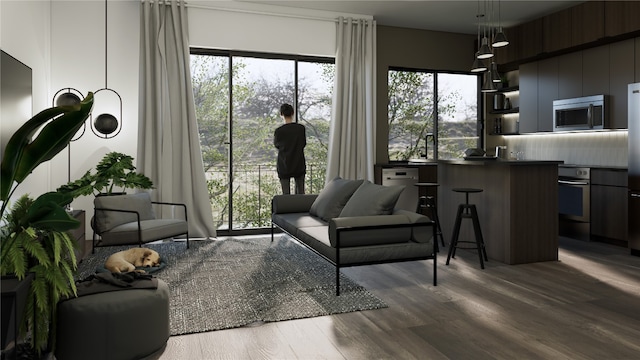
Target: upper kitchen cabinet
<point>587,22</point>
<point>570,75</point>
<point>557,31</point>
<point>621,73</point>
<point>530,39</point>
<point>511,52</point>
<point>637,66</point>
<point>621,17</point>
<point>595,71</point>
<point>528,98</point>
<point>547,92</point>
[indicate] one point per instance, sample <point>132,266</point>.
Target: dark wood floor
<point>584,306</point>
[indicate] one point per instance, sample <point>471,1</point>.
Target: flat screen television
<point>16,104</point>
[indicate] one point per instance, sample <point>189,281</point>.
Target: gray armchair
<point>130,220</point>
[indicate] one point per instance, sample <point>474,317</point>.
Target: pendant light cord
<point>105,43</point>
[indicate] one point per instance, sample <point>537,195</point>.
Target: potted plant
<point>33,234</point>
<point>115,170</point>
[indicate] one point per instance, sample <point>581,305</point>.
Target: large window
<point>237,118</point>
<point>416,99</point>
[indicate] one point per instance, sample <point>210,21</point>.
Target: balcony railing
<point>253,188</point>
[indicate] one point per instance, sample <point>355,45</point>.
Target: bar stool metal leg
<point>456,233</point>
<point>468,211</point>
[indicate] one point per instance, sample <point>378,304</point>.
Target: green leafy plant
<point>114,170</point>
<point>33,234</point>
<point>48,252</point>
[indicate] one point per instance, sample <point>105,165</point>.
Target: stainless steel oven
<point>574,194</point>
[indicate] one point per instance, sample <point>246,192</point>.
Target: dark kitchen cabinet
<point>621,73</point>
<point>587,22</point>
<point>621,17</point>
<point>556,31</point>
<point>570,75</point>
<point>609,217</point>
<point>547,92</point>
<point>595,71</point>
<point>530,37</point>
<point>528,98</point>
<point>511,52</point>
<point>637,57</point>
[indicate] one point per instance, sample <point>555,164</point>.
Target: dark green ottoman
<point>125,324</point>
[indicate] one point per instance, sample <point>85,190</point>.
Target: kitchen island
<point>518,209</point>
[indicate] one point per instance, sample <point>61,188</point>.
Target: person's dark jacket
<point>290,140</point>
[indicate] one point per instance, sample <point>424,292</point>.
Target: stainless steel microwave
<point>584,113</point>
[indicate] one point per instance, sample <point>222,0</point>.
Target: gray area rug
<point>221,284</point>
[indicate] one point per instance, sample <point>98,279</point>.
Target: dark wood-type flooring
<point>584,306</point>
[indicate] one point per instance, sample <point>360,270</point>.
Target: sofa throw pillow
<point>372,199</point>
<point>107,220</point>
<point>333,197</point>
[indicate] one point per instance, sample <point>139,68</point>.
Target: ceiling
<point>451,16</point>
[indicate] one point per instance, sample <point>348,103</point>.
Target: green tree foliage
<point>256,105</point>
<point>411,116</point>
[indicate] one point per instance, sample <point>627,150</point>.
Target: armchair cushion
<point>107,220</point>
<point>150,230</point>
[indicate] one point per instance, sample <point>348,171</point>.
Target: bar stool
<point>429,202</point>
<point>467,211</point>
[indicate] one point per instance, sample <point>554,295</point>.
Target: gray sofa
<point>353,222</point>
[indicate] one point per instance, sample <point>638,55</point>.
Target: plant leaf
<point>47,213</point>
<point>22,155</point>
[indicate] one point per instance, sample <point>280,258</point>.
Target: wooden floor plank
<point>584,306</point>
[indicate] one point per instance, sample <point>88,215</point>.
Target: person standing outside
<point>290,140</point>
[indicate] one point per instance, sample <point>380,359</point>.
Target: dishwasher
<point>408,199</point>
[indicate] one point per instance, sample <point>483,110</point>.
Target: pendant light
<point>495,76</point>
<point>485,51</point>
<point>500,39</point>
<point>106,125</point>
<point>488,85</point>
<point>478,65</point>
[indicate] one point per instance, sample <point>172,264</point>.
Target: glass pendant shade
<point>488,85</point>
<point>485,51</point>
<point>478,65</point>
<point>500,39</point>
<point>495,76</point>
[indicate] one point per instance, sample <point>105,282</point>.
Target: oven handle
<point>567,182</point>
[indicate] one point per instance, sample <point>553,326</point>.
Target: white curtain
<point>168,141</point>
<point>352,133</point>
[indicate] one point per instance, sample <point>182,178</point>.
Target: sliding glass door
<point>238,97</point>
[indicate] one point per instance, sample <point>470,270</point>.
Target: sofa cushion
<point>107,220</point>
<point>372,199</point>
<point>333,198</point>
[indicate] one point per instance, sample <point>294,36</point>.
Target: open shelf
<point>509,111</point>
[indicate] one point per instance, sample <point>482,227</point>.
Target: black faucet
<point>426,145</point>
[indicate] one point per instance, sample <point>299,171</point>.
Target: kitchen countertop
<point>603,167</point>
<point>500,162</point>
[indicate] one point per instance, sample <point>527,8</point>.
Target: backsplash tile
<point>607,148</point>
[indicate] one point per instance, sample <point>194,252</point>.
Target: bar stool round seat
<point>467,211</point>
<point>429,202</point>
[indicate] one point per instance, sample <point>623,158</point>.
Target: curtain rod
<point>260,12</point>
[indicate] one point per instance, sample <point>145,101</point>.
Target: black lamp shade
<point>106,124</point>
<point>67,99</point>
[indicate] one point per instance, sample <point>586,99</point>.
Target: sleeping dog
<point>128,260</point>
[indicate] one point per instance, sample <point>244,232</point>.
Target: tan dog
<point>128,260</point>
